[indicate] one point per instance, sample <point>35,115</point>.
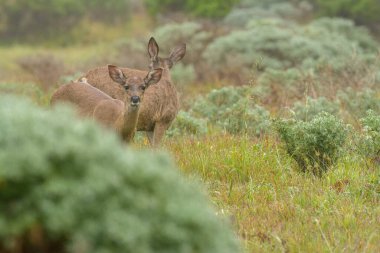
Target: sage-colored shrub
<point>233,110</point>
<point>357,103</point>
<point>74,187</point>
<point>370,138</point>
<point>313,106</point>
<point>281,44</point>
<point>186,124</point>
<point>315,145</point>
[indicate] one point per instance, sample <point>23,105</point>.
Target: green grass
<point>277,209</point>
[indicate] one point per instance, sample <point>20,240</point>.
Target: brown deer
<point>161,105</point>
<point>121,115</point>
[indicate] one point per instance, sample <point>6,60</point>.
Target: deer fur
<point>161,104</point>
<point>120,115</point>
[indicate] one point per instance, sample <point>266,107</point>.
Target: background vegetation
<point>280,120</point>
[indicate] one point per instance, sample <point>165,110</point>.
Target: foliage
<point>183,74</point>
<point>79,190</point>
<point>370,139</point>
<point>40,19</point>
<point>315,145</point>
<point>233,109</point>
<point>357,103</point>
<point>45,68</point>
<point>362,11</point>
<point>211,8</point>
<point>255,10</point>
<point>312,107</point>
<point>185,124</point>
<point>193,34</point>
<point>280,44</point>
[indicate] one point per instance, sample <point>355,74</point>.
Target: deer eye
<point>143,87</point>
<point>126,87</point>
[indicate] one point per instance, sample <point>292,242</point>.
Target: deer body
<point>161,104</point>
<point>117,114</point>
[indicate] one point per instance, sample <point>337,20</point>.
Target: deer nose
<point>135,99</point>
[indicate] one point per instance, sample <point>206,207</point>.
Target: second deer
<point>161,105</point>
<point>121,115</point>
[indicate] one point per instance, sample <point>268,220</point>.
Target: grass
<point>277,209</point>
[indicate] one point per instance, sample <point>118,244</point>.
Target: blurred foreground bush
<point>315,145</point>
<point>67,186</point>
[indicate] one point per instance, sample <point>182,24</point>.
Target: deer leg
<point>159,131</point>
<point>150,135</point>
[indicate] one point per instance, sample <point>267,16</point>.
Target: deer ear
<point>153,48</point>
<point>153,77</point>
<point>116,74</point>
<point>178,53</point>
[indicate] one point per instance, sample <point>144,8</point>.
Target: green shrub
<point>33,20</point>
<point>79,190</point>
<point>312,107</point>
<point>357,103</point>
<point>193,34</point>
<point>211,8</point>
<point>362,11</point>
<point>185,124</point>
<point>370,139</point>
<point>315,145</point>
<point>280,44</point>
<point>233,109</point>
<point>183,74</point>
<point>255,10</point>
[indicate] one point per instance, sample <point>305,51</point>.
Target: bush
<point>357,103</point>
<point>312,107</point>
<point>256,10</point>
<point>362,11</point>
<point>370,139</point>
<point>68,186</point>
<point>327,79</point>
<point>211,8</point>
<point>185,124</point>
<point>183,74</point>
<point>233,109</point>
<point>33,20</point>
<point>46,69</point>
<point>315,145</point>
<point>279,44</point>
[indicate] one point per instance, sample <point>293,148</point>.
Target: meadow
<point>280,113</point>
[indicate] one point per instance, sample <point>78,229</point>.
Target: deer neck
<point>130,118</point>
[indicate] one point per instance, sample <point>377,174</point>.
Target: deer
<point>119,115</point>
<point>161,103</point>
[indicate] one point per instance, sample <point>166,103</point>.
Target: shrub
<point>370,139</point>
<point>211,8</point>
<point>362,11</point>
<point>46,69</point>
<point>33,20</point>
<point>67,185</point>
<point>233,109</point>
<point>183,74</point>
<point>357,103</point>
<point>312,107</point>
<point>185,124</point>
<point>315,145</point>
<point>279,44</point>
<point>256,10</point>
<point>193,34</point>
